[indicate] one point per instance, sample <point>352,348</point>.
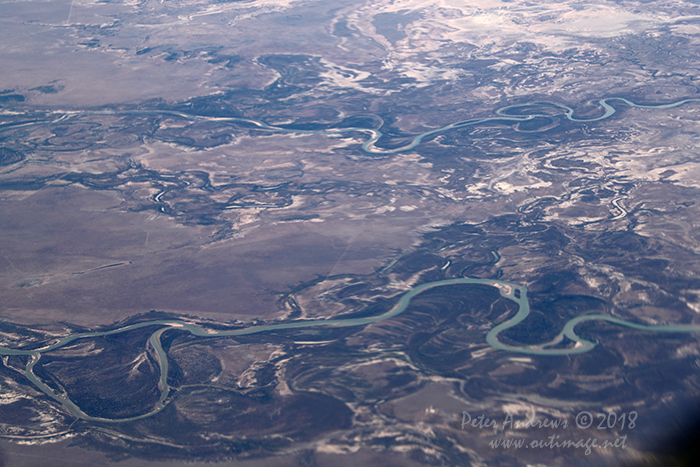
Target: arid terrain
<point>188,189</point>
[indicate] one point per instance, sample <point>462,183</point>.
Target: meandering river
<point>509,290</point>
<point>502,114</point>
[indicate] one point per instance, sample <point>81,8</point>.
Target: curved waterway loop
<point>509,290</point>
<point>375,135</point>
